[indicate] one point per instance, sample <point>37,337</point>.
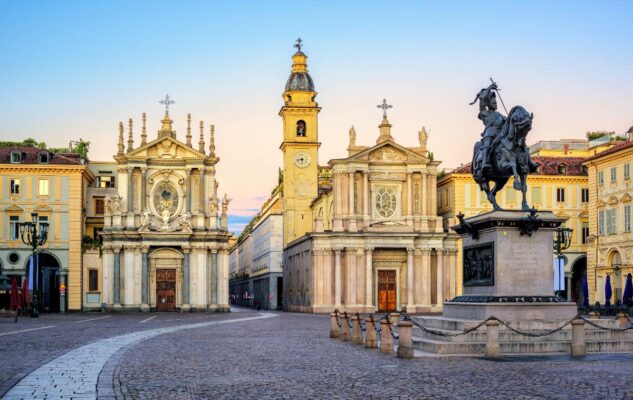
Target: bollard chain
<point>605,328</point>
<point>531,334</point>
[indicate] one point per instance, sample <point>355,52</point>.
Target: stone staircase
<point>474,343</point>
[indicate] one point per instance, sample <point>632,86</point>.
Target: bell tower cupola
<point>300,147</point>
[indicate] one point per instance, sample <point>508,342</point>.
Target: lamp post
<point>562,241</point>
<point>34,236</point>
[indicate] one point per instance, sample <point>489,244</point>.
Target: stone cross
<point>167,101</point>
<point>384,107</point>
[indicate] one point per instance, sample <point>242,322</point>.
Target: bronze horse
<point>509,157</point>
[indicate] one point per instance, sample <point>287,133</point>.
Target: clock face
<point>302,159</point>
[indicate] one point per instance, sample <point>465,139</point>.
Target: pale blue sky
<point>75,68</point>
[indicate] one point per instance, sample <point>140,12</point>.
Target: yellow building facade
<point>54,186</point>
<point>610,247</point>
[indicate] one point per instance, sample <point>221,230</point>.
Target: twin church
<point>359,234</point>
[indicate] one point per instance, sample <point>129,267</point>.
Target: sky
<point>74,69</point>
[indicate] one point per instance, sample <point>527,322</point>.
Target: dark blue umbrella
<point>627,297</point>
<point>585,292</point>
<point>607,292</point>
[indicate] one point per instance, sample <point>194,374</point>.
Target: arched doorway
<point>615,262</point>
<point>578,274</point>
<point>165,280</point>
<point>48,281</point>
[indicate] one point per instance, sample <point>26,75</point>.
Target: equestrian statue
<point>502,153</point>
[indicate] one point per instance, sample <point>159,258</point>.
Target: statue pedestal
<point>508,268</point>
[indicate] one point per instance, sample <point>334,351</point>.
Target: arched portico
<point>165,279</point>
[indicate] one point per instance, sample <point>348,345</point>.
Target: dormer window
<point>562,169</point>
<point>16,157</point>
<point>43,157</point>
<point>301,128</point>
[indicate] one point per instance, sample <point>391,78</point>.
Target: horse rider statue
<point>493,124</point>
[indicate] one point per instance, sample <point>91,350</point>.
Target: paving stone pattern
<point>292,357</point>
<point>75,374</point>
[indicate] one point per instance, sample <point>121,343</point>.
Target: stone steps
<point>474,343</point>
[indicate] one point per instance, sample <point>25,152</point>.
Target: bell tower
<point>300,148</point>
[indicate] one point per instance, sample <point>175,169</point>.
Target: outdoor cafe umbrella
<point>607,292</point>
<point>627,298</point>
<point>585,292</point>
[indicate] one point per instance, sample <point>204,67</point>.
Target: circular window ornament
<point>166,200</point>
<point>386,202</point>
<point>13,257</point>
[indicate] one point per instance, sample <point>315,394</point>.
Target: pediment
<point>388,152</point>
<point>165,148</point>
<point>626,198</point>
<point>43,209</point>
<point>13,208</point>
<point>613,200</point>
<point>601,203</point>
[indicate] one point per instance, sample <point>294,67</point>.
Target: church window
<point>386,202</point>
<point>301,128</point>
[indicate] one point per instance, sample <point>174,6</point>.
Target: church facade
<point>362,233</point>
<point>165,240</point>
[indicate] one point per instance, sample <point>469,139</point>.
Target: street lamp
<point>562,241</point>
<point>34,236</point>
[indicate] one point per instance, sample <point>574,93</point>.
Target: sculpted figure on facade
<point>225,204</point>
<point>185,221</point>
<point>113,203</point>
<point>352,137</point>
<point>146,219</point>
<point>423,137</point>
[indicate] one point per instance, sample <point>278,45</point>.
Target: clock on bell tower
<point>300,148</point>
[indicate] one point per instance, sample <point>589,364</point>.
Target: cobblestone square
<point>266,355</point>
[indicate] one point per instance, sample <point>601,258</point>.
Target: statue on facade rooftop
<point>502,152</point>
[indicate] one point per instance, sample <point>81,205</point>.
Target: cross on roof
<point>384,107</point>
<point>167,101</point>
<point>298,44</point>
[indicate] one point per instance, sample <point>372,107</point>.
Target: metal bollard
<point>578,348</point>
<point>492,335</point>
<point>344,323</point>
<point>623,322</point>
<point>357,337</point>
<point>386,340</point>
<point>370,337</point>
<point>405,339</point>
<point>394,317</point>
<point>334,325</point>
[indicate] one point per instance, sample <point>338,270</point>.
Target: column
<point>188,183</point>
<point>143,189</point>
<point>130,193</point>
<point>144,277</point>
<point>366,190</point>
<point>352,211</point>
<point>452,256</point>
<point>214,286</point>
<point>203,191</point>
<point>338,209</point>
<point>426,277</point>
<point>185,277</point>
<point>209,284</point>
<point>424,195</point>
<point>410,300</point>
<point>337,278</point>
<point>409,215</point>
<point>117,276</point>
<point>418,282</point>
<point>351,275</point>
<point>369,296</point>
<point>440,276</point>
